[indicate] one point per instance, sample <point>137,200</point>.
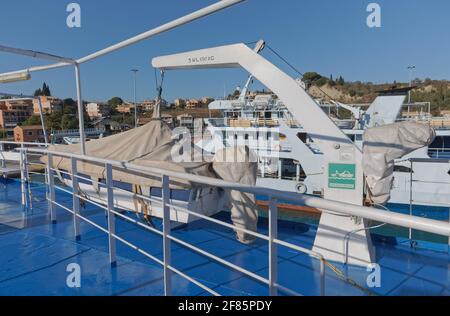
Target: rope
<point>295,69</point>
<point>284,60</point>
<point>341,275</point>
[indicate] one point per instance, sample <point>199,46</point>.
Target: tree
<point>32,120</point>
<point>235,95</point>
<point>69,106</point>
<point>69,122</point>
<point>114,103</point>
<point>44,91</point>
<point>311,77</point>
<point>340,81</point>
<point>321,82</point>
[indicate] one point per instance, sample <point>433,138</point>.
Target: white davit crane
<point>342,166</point>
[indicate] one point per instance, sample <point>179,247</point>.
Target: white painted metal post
<point>166,233</point>
<point>111,216</point>
<point>23,177</point>
<point>280,168</point>
<point>263,168</point>
<point>135,98</point>
<point>322,277</point>
<point>2,149</point>
<point>27,179</point>
<point>273,251</point>
<point>76,199</point>
<point>80,109</point>
<point>410,199</point>
<point>41,114</point>
<point>51,188</point>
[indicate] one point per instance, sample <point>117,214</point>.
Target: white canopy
<point>152,146</point>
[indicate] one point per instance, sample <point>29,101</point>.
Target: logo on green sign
<point>342,176</point>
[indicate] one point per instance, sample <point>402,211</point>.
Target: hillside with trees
<point>435,91</point>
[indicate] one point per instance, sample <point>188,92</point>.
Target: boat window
<point>440,142</point>
<point>292,170</point>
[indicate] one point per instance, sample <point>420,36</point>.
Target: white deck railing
<point>418,223</point>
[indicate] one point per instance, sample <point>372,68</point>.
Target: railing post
<point>76,199</point>
<point>23,178</point>
<point>280,169</point>
<point>449,236</point>
<point>111,216</point>
<point>166,233</point>
<point>322,276</point>
<point>273,251</point>
<point>2,149</point>
<point>51,188</point>
<point>410,199</point>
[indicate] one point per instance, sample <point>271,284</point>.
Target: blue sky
<point>327,36</point>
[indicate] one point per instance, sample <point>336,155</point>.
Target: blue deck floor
<point>35,255</point>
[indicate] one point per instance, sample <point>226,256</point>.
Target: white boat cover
<point>152,146</point>
<point>384,144</point>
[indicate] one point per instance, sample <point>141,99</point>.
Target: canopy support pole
<point>80,110</point>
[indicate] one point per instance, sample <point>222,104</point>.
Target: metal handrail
<point>397,219</point>
<point>274,195</point>
<point>271,281</point>
<point>4,142</point>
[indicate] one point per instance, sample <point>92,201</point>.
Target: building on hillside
<point>13,112</point>
<point>49,105</point>
<point>29,134</point>
<point>97,110</point>
<point>179,103</point>
<point>126,108</point>
<point>193,104</point>
<point>148,105</point>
